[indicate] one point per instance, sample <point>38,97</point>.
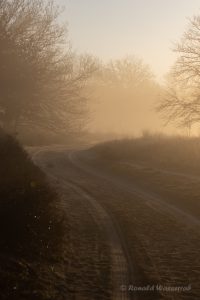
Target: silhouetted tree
<point>40,78</point>
<point>127,72</point>
<point>126,91</point>
<point>180,102</point>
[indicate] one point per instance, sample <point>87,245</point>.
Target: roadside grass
<point>172,152</point>
<point>163,165</point>
<point>44,252</point>
<point>163,246</point>
<point>31,227</point>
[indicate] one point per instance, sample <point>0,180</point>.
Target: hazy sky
<point>115,28</point>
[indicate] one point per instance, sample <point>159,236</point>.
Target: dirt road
<point>151,243</point>
<point>53,161</point>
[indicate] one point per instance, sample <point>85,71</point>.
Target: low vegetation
<point>31,227</point>
<point>172,152</point>
<point>156,204</point>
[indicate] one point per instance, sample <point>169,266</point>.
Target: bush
<point>29,223</point>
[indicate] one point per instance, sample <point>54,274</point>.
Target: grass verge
<point>31,228</point>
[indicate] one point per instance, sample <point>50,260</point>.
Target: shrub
<point>29,222</point>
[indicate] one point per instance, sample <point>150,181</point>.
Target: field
<point>158,207</point>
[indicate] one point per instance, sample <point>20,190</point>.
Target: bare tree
<point>124,90</point>
<point>41,78</point>
<point>180,102</point>
<point>127,72</point>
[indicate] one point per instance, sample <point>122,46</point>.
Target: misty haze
<point>100,150</point>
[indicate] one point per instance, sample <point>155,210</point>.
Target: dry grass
<point>163,246</point>
<point>31,228</point>
<point>178,153</point>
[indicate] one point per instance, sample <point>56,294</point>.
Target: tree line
<point>41,77</point>
<point>180,102</point>
<point>45,84</point>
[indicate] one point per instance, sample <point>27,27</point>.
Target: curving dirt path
<point>161,240</point>
<point>152,200</point>
<point>56,171</point>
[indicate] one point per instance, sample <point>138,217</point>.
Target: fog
<point>124,95</point>
<point>58,92</point>
<point>124,114</point>
<point>100,168</point>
